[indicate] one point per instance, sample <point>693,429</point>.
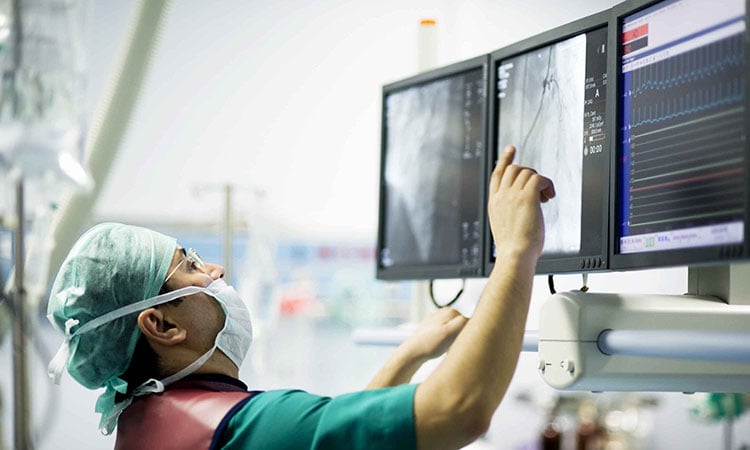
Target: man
<point>158,329</point>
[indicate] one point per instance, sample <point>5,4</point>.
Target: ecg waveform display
<point>684,149</point>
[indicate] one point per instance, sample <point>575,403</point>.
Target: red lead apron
<point>184,416</point>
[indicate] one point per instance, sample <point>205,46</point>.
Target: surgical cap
<point>112,265</point>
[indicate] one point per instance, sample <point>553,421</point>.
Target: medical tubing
<point>725,346</point>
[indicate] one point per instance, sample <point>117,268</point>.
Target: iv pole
<point>21,411</point>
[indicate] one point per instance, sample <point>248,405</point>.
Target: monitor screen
<point>431,220</point>
<point>550,95</point>
<point>681,167</point>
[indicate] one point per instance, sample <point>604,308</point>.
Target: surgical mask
<point>233,339</point>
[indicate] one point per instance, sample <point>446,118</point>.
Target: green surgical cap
<point>112,265</point>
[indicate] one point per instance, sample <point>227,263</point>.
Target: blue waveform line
<point>689,77</point>
<point>696,109</point>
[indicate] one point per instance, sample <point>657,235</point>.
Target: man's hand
<point>435,334</point>
<point>514,211</point>
<point>432,337</point>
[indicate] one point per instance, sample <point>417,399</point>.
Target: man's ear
<point>157,329</point>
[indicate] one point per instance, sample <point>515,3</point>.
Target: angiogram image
<point>541,106</point>
<point>423,173</point>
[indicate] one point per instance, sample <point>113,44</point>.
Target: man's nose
<point>215,271</point>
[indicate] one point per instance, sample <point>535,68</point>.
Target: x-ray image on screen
<point>420,123</point>
<point>541,104</point>
<point>433,148</point>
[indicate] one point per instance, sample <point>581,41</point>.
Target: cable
<point>551,284</point>
<point>585,287</point>
<point>437,305</point>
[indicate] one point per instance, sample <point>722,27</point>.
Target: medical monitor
<point>432,183</point>
<point>548,97</point>
<point>680,189</point>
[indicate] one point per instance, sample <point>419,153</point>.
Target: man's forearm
<point>399,369</point>
<point>476,372</point>
<point>455,404</point>
<point>487,351</point>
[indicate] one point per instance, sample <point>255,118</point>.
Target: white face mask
<point>237,335</point>
<point>233,340</point>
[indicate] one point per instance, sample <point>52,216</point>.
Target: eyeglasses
<point>194,261</point>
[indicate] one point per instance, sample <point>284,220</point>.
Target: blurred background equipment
<point>42,128</point>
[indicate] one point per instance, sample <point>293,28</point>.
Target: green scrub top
<point>293,419</point>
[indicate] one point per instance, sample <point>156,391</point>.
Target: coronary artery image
<point>541,110</point>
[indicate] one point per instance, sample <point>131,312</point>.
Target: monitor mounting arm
<point>625,342</point>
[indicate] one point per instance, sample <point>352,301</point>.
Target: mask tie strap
<point>60,360</point>
<point>190,368</point>
<point>150,386</point>
<point>136,307</point>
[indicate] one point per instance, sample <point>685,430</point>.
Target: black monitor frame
<point>431,271</point>
<point>699,256</point>
<point>554,264</point>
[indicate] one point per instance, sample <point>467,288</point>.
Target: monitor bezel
<point>554,264</point>
<point>429,271</point>
<point>700,256</point>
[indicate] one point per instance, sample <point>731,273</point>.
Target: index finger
<point>503,161</point>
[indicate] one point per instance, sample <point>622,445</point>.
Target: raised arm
<point>455,404</point>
